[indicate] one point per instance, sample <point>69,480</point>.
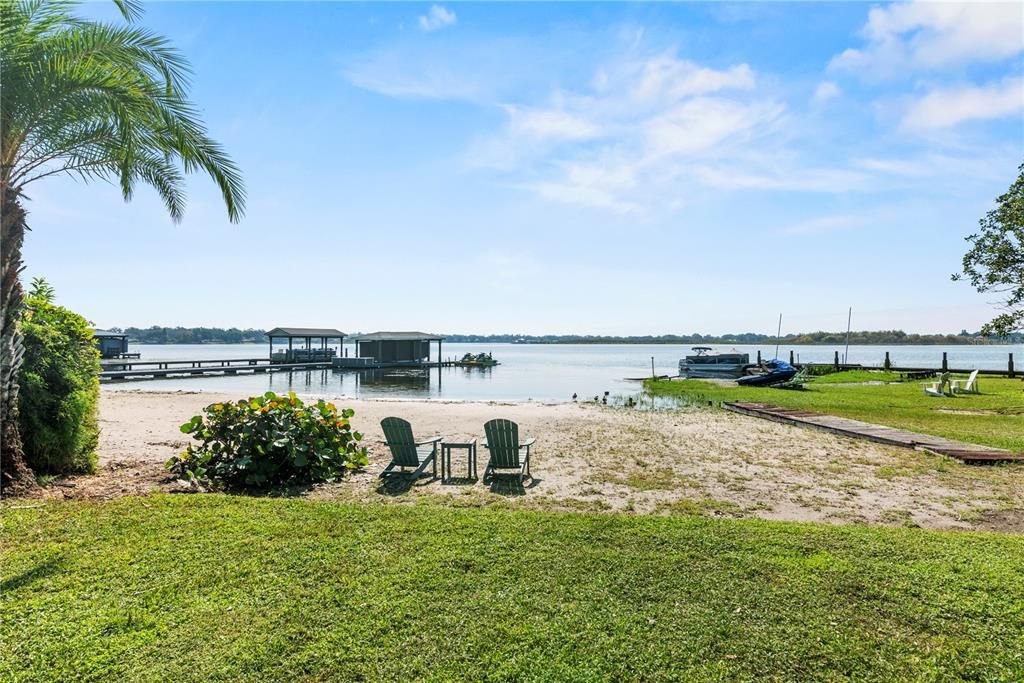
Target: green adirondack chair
<point>406,451</point>
<point>504,446</point>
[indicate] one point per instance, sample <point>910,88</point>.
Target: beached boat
<point>774,372</point>
<point>706,362</point>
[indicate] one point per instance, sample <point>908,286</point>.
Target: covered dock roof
<point>306,351</point>
<point>312,332</point>
<point>108,333</point>
<point>398,347</point>
<point>398,336</point>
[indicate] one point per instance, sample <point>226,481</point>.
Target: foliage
<point>193,335</point>
<point>993,418</point>
<point>96,101</point>
<point>269,440</point>
<point>995,261</point>
<point>101,101</point>
<point>878,337</point>
<point>293,589</point>
<point>205,335</point>
<point>59,386</point>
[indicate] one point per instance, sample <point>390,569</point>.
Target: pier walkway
<point>158,369</point>
<point>966,452</point>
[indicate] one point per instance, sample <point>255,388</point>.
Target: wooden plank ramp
<point>966,452</point>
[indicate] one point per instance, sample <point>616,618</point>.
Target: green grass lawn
<point>994,418</point>
<point>210,587</point>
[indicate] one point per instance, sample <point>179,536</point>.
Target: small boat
<point>706,362</point>
<point>481,360</point>
<point>774,372</point>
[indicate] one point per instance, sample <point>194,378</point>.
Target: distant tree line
<point>886,337</point>
<point>191,335</point>
<point>217,335</point>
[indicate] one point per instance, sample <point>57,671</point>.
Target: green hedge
<point>60,386</point>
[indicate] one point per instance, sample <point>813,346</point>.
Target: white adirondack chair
<point>968,387</point>
<point>937,388</point>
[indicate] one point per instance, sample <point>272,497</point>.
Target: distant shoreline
<point>234,335</point>
<point>672,342</point>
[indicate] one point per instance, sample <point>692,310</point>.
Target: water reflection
<point>405,381</point>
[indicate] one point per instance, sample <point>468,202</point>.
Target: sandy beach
<point>598,458</point>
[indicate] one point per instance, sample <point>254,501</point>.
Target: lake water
<point>538,372</point>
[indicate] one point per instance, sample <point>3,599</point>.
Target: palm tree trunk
<point>15,474</point>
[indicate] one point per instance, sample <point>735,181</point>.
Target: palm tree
<point>97,101</point>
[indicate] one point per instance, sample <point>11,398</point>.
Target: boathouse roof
<point>304,332</point>
<point>398,336</point>
<point>108,333</point>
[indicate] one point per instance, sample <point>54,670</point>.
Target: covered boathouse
<point>111,344</point>
<point>305,344</point>
<point>397,348</point>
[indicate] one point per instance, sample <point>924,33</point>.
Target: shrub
<point>269,440</point>
<point>60,386</point>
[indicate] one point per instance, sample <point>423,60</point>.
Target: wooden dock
<point>122,370</point>
<point>966,452</point>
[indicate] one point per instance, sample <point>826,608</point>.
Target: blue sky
<point>565,168</point>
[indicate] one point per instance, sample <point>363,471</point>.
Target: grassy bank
<point>994,418</point>
<point>216,588</point>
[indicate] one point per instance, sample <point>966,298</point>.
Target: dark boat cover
<point>778,371</point>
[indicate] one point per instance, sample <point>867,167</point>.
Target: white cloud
<point>947,107</point>
<point>912,35</point>
<point>983,163</point>
<point>667,78</point>
<point>901,167</point>
<point>388,73</point>
<point>623,137</point>
<point>437,18</point>
<point>550,124</point>
<point>702,124</point>
<point>584,195</point>
<point>637,133</point>
<point>825,91</point>
<point>779,177</point>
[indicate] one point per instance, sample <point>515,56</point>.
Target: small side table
<point>446,458</point>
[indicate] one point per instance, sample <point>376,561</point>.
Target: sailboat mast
<point>778,335</point>
<point>846,353</point>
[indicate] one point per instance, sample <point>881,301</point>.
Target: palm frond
<point>101,101</point>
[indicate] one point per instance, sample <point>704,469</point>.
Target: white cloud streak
<point>825,91</point>
<point>948,107</point>
<point>437,18</point>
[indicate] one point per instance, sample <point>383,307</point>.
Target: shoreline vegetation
<point>992,418</point>
<point>233,335</point>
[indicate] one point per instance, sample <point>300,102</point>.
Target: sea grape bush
<point>269,440</point>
